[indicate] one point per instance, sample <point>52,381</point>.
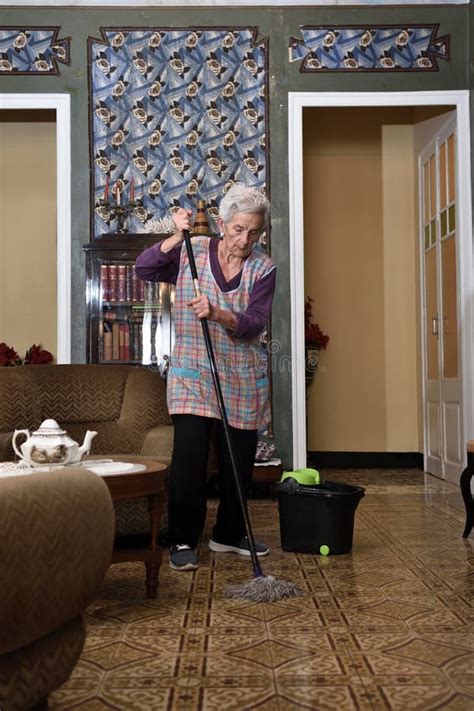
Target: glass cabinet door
<point>134,318</point>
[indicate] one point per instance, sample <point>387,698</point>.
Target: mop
<point>263,588</point>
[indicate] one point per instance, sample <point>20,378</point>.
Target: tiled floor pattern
<point>389,626</point>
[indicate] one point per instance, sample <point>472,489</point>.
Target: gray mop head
<point>263,589</point>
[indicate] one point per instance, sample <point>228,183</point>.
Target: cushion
<point>111,437</point>
<point>159,443</point>
<point>144,402</point>
<point>6,450</point>
<point>53,525</point>
<point>19,399</point>
<point>80,393</point>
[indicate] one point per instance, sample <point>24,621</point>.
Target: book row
<point>139,338</point>
<point>121,340</point>
<point>119,282</point>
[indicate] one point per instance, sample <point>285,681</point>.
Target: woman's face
<point>241,232</point>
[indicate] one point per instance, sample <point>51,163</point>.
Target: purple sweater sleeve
<point>253,320</point>
<point>154,265</point>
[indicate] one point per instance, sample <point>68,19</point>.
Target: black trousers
<point>187,498</point>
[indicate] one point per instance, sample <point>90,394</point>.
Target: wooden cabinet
<point>129,320</point>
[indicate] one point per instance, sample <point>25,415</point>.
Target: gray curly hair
<point>241,198</point>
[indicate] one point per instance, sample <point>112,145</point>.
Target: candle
<point>106,189</point>
<point>117,193</point>
<point>132,190</point>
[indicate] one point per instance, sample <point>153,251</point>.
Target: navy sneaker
<point>183,557</point>
<point>242,548</point>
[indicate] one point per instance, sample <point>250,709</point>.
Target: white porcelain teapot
<point>51,445</point>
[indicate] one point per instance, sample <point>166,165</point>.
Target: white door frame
<point>297,101</point>
<point>62,104</point>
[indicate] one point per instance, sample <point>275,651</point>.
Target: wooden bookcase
<point>128,320</point>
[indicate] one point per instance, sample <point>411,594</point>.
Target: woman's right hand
<point>182,221</point>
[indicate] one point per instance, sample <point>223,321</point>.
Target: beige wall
<point>361,270</point>
<point>28,230</point>
<point>400,290</point>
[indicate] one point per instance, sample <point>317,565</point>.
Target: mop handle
<point>220,401</point>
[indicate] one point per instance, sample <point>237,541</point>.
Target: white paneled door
<point>441,324</point>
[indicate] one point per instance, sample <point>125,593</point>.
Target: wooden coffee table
<point>152,483</point>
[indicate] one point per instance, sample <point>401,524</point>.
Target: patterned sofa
<point>126,405</point>
<point>55,547</point>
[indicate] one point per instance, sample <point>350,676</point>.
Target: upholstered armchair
<point>55,548</point>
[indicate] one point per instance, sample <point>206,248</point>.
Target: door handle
<point>434,326</point>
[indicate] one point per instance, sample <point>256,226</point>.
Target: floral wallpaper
<point>176,116</point>
<point>363,48</point>
<point>32,50</point>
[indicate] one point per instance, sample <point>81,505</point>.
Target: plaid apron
<point>241,364</point>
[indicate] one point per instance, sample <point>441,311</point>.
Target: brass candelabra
<point>119,212</point>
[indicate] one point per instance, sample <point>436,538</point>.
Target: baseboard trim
<point>366,460</point>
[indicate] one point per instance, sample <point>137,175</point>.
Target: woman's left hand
<point>202,307</point>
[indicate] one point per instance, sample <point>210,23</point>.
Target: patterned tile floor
<point>389,626</point>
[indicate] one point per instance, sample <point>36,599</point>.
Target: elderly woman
<point>237,282</point>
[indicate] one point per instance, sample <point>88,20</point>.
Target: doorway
<point>442,372</point>
<point>55,110</point>
<point>390,400</point>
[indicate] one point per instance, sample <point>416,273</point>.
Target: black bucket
<point>317,519</point>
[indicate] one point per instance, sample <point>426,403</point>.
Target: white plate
<point>112,468</point>
<point>102,468</point>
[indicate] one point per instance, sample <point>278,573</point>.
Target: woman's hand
<point>182,221</point>
<point>202,307</point>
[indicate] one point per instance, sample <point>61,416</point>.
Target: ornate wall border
<point>135,145</point>
<point>369,48</point>
<point>26,51</point>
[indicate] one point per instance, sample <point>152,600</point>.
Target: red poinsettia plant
<point>313,336</point>
<point>35,355</point>
<point>315,340</point>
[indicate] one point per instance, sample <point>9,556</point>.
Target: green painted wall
<point>278,24</point>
